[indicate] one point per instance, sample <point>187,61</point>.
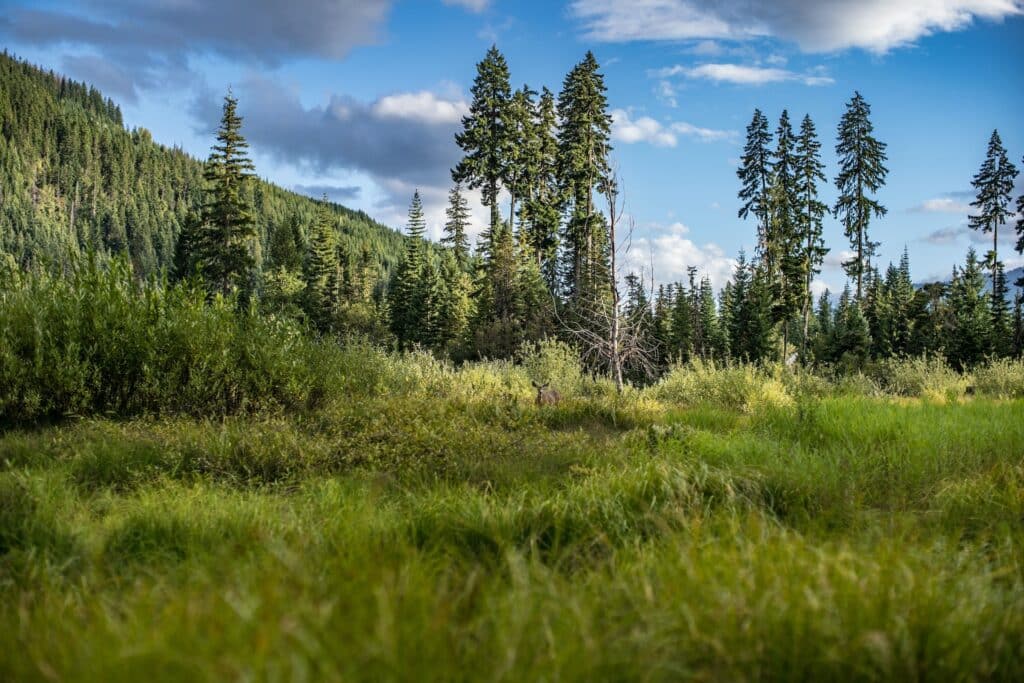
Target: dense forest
<point>74,180</point>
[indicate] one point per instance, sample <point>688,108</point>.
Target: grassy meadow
<point>263,506</point>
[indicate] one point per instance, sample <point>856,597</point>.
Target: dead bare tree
<point>604,336</point>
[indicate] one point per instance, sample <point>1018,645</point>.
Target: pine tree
<point>810,214</point>
<point>407,295</point>
<point>519,167</point>
<point>583,149</point>
<point>970,335</point>
<point>750,333</point>
<point>541,206</point>
<point>862,172</point>
<point>457,225</point>
<point>755,174</point>
<point>227,218</point>
<point>850,340</point>
<point>783,263</point>
<point>994,185</point>
<point>1001,330</point>
<point>899,292</point>
<point>320,270</point>
<point>486,133</point>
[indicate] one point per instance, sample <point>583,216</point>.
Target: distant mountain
<point>1011,277</point>
<point>72,179</point>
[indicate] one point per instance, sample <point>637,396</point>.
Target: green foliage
<point>99,341</point>
<point>994,185</point>
<point>1001,378</point>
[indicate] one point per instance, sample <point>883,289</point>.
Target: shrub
<point>740,387</point>
<point>1002,378</point>
<point>925,377</point>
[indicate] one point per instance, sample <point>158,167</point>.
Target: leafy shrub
<point>552,362</point>
<point>1002,378</point>
<point>739,387</point>
<point>926,377</point>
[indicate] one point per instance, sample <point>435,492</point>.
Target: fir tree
<point>862,172</point>
<point>227,218</point>
<point>850,339</point>
<point>783,263</point>
<point>540,213</point>
<point>486,138</point>
<point>455,228</point>
<point>755,173</point>
<point>520,159</point>
<point>1001,330</point>
<point>810,214</point>
<point>994,185</point>
<point>583,149</point>
<point>408,296</point>
<point>1020,230</point>
<point>1018,325</point>
<point>320,270</point>
<point>970,339</point>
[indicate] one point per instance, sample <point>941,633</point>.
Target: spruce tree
<point>862,173</point>
<point>850,339</point>
<point>320,270</point>
<point>457,225</point>
<point>1018,326</point>
<point>486,133</point>
<point>1001,330</point>
<point>407,294</point>
<point>520,158</point>
<point>810,214</point>
<point>223,240</point>
<point>994,185</point>
<point>899,293</point>
<point>783,263</point>
<point>755,173</point>
<point>970,335</point>
<point>583,149</point>
<point>540,214</point>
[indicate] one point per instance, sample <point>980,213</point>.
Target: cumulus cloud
<point>942,205</point>
<point>146,39</point>
<point>739,74</point>
<point>628,130</point>
<point>669,252</point>
<point>336,193</point>
<point>423,106</point>
<point>952,234</point>
<point>822,26</point>
<point>471,5</point>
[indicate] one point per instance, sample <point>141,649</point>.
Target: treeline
<point>545,266</point>
<point>74,180</point>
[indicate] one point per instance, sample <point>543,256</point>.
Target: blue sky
<point>361,98</point>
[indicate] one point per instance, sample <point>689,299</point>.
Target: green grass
<point>432,524</point>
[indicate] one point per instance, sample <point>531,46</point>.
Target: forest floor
<point>469,535</point>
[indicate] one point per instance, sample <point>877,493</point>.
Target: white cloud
<point>670,252</point>
<point>471,5</point>
<point>742,75</point>
<point>627,130</point>
<point>942,205</point>
<point>422,106</point>
<point>821,26</point>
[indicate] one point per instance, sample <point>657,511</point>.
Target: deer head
<point>545,396</point>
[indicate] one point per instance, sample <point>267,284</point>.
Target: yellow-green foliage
<point>741,387</point>
<point>1000,379</point>
<point>924,377</point>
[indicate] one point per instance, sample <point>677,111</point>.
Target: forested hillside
<point>73,179</point>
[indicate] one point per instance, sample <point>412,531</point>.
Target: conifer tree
<point>520,158</point>
<point>862,173</point>
<point>899,292</point>
<point>1000,311</point>
<point>750,336</point>
<point>994,185</point>
<point>682,325</point>
<point>1018,325</point>
<point>583,149</point>
<point>541,206</point>
<point>1020,230</point>
<point>970,335</point>
<point>408,296</point>
<point>223,240</point>
<point>783,263</point>
<point>485,138</point>
<point>320,270</point>
<point>850,340</point>
<point>755,173</point>
<point>810,214</point>
<point>457,225</point>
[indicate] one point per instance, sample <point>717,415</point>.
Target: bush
<point>925,377</point>
<point>739,387</point>
<point>1002,378</point>
<point>99,341</point>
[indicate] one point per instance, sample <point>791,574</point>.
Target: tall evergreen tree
<point>583,149</point>
<point>755,174</point>
<point>223,241</point>
<point>994,185</point>
<point>1018,325</point>
<point>520,157</point>
<point>541,206</point>
<point>408,292</point>
<point>783,263</point>
<point>486,138</point>
<point>320,270</point>
<point>1020,230</point>
<point>970,335</point>
<point>1000,312</point>
<point>810,214</point>
<point>457,225</point>
<point>850,340</point>
<point>862,172</point>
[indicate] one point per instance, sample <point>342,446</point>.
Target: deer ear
<point>545,385</point>
<point>535,385</point>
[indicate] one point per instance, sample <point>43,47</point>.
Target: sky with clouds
<point>360,99</point>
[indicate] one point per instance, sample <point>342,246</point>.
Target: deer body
<point>545,396</point>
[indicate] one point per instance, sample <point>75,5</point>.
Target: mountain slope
<point>72,178</point>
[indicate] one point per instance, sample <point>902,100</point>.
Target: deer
<point>545,396</point>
